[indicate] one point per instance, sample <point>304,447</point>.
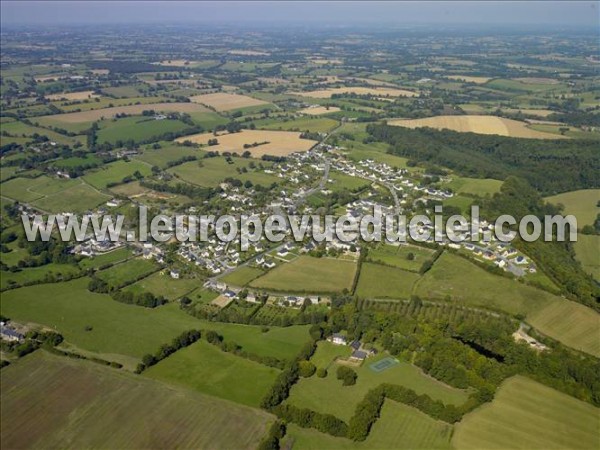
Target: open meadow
<point>221,101</point>
<point>524,415</point>
<point>586,251</point>
<point>476,124</point>
<point>310,275</point>
<point>375,92</point>
<point>257,142</point>
<point>203,367</point>
<point>56,402</point>
<point>379,281</point>
<point>583,204</point>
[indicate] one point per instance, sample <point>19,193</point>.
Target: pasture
<point>161,283</point>
<point>106,258</point>
<point>312,124</point>
<point>137,129</point>
<point>476,124</point>
<point>586,251</point>
<point>398,256</point>
<point>221,101</point>
<point>275,143</point>
<point>371,91</point>
<point>474,186</point>
<point>210,172</point>
<point>242,276</point>
<point>525,414</point>
<point>167,153</point>
<point>79,198</point>
<point>378,281</point>
<point>398,427</point>
<point>121,274</point>
<point>70,96</point>
<point>55,402</point>
<point>328,395</point>
<point>34,274</point>
<point>203,367</point>
<point>469,79</point>
<point>115,173</point>
<point>583,204</point>
<point>568,322</point>
<point>308,274</point>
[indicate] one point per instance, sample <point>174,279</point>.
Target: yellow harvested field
<point>323,61</point>
<point>469,79</point>
<point>221,301</point>
<point>277,143</point>
<point>48,78</point>
<point>378,92</point>
<point>273,80</point>
<point>531,112</point>
<point>476,124</point>
<point>100,71</point>
<point>97,114</point>
<point>221,101</point>
<point>82,95</point>
<point>248,53</point>
<point>318,110</point>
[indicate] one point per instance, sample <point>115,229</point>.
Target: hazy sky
<point>585,13</point>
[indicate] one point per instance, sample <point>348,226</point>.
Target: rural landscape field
<point>325,109</point>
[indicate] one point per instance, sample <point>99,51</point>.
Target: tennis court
<point>383,364</point>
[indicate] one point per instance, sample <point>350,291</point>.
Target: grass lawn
<point>397,256</point>
<point>525,415</point>
<point>586,251</point>
<point>308,274</point>
<point>377,281</point>
<point>75,199</point>
<point>399,427</point>
<point>121,274</point>
<point>205,368</point>
<point>210,172</point>
<point>343,182</point>
<point>242,276</point>
<point>55,402</point>
<point>475,186</point>
<point>327,395</point>
<point>106,258</point>
<point>161,283</point>
<point>571,323</point>
<point>137,128</point>
<point>582,204</point>
<point>36,273</point>
<point>115,172</point>
<point>326,353</point>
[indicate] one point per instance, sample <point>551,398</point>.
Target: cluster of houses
<point>359,351</point>
<point>10,333</point>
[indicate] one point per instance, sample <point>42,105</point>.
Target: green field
<point>169,152</point>
<point>115,172</point>
<point>137,128</point>
<point>328,395</point>
<point>342,182</point>
<point>242,276</point>
<point>587,253</point>
<point>377,281</point>
<point>161,283</point>
<point>125,333</point>
<point>397,256</point>
<point>568,322</point>
<point>76,199</point>
<point>524,415</point>
<point>30,189</point>
<point>20,129</point>
<point>210,172</point>
<point>126,272</point>
<point>399,427</point>
<point>55,402</point>
<point>583,204</point>
<point>106,258</point>
<point>205,368</point>
<point>308,274</point>
<point>34,274</point>
<point>312,124</point>
<point>475,186</point>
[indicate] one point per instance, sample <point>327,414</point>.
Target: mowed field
<point>222,101</point>
<point>377,92</point>
<point>276,143</point>
<point>583,204</point>
<point>378,281</point>
<point>475,186</point>
<point>328,395</point>
<point>476,124</point>
<point>81,95</point>
<point>205,368</point>
<point>55,402</point>
<point>398,427</point>
<point>106,113</point>
<point>469,79</point>
<point>568,322</point>
<point>528,415</point>
<point>308,274</point>
<point>319,110</point>
<point>587,253</point>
